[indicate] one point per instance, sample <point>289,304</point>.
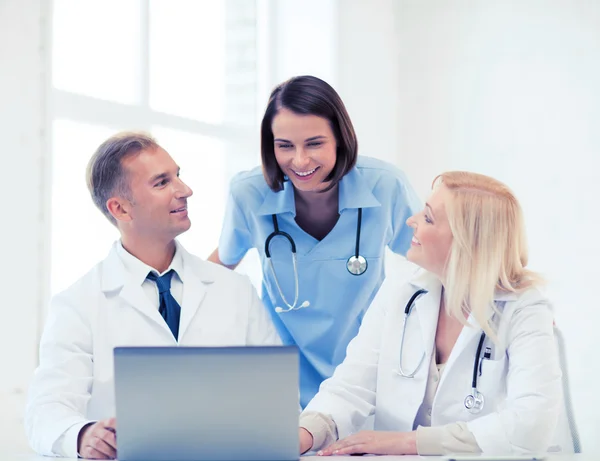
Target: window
<point>184,70</point>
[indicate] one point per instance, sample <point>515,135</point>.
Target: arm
<point>58,396</point>
<point>214,258</point>
<point>235,239</point>
<point>534,391</point>
<point>348,397</point>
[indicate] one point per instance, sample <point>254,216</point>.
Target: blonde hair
<point>489,247</point>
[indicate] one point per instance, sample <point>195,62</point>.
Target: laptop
<point>207,403</point>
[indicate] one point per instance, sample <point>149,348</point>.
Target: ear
<point>119,208</point>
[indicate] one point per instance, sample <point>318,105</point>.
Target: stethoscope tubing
<point>476,397</point>
<point>362,266</point>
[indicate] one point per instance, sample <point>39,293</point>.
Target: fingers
<point>107,436</point>
<point>354,444</point>
<point>98,449</point>
<point>107,431</point>
<point>337,449</point>
<point>110,423</point>
<point>92,453</point>
<point>100,441</point>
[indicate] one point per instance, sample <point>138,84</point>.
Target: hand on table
<point>374,442</point>
<point>98,440</point>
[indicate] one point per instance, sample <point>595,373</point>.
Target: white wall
<point>22,243</point>
<point>510,89</point>
<point>368,74</point>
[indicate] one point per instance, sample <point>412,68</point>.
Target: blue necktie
<point>169,308</point>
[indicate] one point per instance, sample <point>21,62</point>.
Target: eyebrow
<point>162,176</point>
<point>430,210</point>
<point>314,138</point>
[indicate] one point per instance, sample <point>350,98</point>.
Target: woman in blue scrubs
<point>333,204</point>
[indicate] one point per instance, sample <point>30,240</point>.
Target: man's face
<point>158,205</point>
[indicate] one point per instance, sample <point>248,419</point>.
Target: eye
<point>162,182</point>
<point>427,219</point>
<point>284,146</point>
<point>315,144</point>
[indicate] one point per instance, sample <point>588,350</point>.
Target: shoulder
<point>526,301</point>
<point>382,176</point>
<point>217,275</point>
<point>78,294</point>
<point>376,170</point>
<point>249,182</point>
<point>399,283</point>
<point>526,311</point>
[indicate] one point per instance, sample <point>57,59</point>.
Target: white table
<point>549,457</point>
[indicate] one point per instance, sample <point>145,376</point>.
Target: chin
<point>313,186</point>
<point>184,227</point>
<point>412,257</point>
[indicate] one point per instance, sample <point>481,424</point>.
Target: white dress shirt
<point>139,271</point>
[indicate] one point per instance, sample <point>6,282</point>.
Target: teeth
<point>305,173</point>
<point>414,240</point>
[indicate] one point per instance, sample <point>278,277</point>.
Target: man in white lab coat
<point>147,292</point>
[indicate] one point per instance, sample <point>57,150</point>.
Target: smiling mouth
<point>303,174</point>
<point>415,241</point>
<point>179,210</point>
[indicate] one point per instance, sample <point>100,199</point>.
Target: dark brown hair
<point>308,95</point>
<point>105,174</point>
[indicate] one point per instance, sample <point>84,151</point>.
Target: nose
<point>183,190</point>
<point>411,222</point>
<point>301,159</point>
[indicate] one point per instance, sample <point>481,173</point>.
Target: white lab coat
<point>74,381</point>
<point>521,382</point>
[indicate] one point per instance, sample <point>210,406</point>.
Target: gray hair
<point>105,175</point>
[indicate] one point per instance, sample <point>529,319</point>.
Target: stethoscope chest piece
<point>356,265</point>
<point>474,402</point>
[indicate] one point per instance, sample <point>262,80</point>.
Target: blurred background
<point>502,87</point>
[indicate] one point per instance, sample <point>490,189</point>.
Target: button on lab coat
<point>105,309</point>
<point>521,381</point>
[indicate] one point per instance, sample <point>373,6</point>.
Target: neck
<point>157,255</point>
<point>314,199</point>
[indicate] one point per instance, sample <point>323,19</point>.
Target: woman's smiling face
<point>305,149</point>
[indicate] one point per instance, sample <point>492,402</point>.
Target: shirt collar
<point>279,202</point>
<point>423,279</point>
<point>354,192</point>
<point>139,270</point>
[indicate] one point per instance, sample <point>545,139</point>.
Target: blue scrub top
<point>338,299</point>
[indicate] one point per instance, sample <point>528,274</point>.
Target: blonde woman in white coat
<point>470,243</point>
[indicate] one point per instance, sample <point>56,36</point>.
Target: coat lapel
<point>197,278</point>
<point>115,278</point>
<point>427,308</point>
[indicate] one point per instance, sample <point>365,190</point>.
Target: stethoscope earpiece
<point>280,310</point>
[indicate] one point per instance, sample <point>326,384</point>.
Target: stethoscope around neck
<point>475,401</point>
<point>356,264</point>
